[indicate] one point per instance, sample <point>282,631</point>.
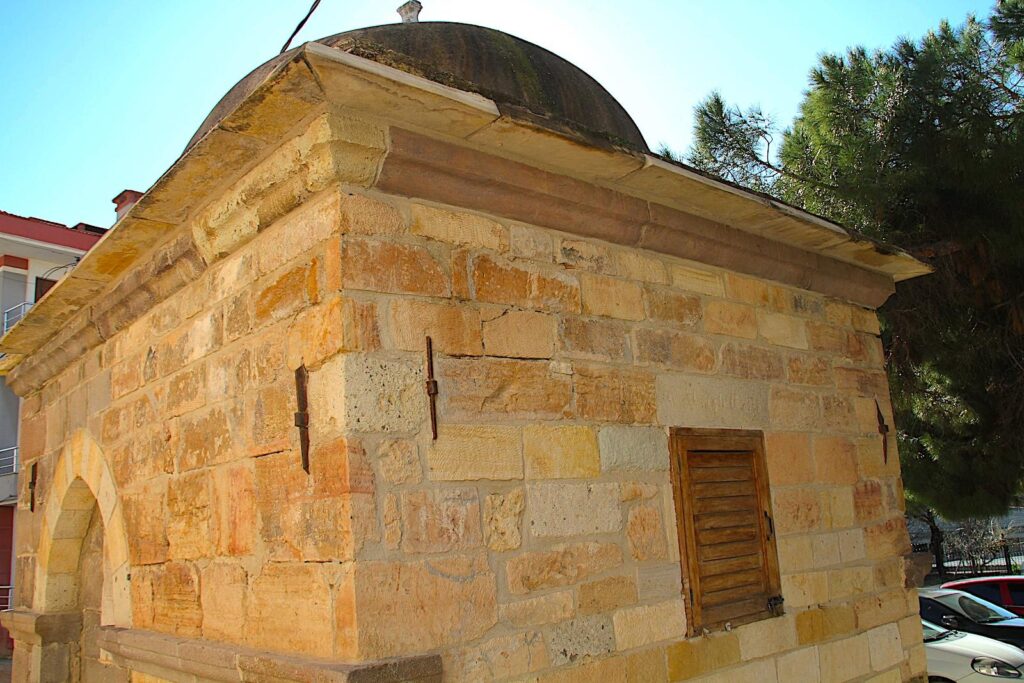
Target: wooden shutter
<point>726,532</point>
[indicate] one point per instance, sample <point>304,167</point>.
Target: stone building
<point>230,465</point>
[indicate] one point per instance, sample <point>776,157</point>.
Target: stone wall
<point>535,538</point>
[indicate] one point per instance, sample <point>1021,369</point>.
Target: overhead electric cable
<point>299,27</point>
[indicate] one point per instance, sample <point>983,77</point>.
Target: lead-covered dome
<point>506,69</point>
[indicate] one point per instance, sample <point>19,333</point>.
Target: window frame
<point>683,440</point>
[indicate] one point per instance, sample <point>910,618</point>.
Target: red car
<point>1005,591</point>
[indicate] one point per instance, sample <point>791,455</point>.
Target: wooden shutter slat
<point>723,508</point>
<point>724,489</point>
<point>722,474</point>
<point>736,504</point>
<point>724,551</point>
<point>725,520</point>
<point>731,535</point>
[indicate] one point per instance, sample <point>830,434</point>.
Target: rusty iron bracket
<point>883,429</point>
<point>32,487</point>
<point>302,416</point>
<point>431,388</point>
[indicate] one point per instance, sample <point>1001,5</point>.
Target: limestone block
<point>620,395</point>
<point>681,351</point>
<point>188,516</point>
<point>284,294</point>
<point>796,509</point>
<point>298,231</point>
<point>788,456</point>
<point>633,264</point>
<point>470,452</point>
<point>767,637</point>
<point>501,389</point>
<point>289,609</point>
<point>633,449</point>
<point>751,362</point>
<point>868,501</point>
<point>711,402</point>
<point>271,412</point>
<point>805,588</point>
<point>454,330</point>
<point>799,665</point>
<point>502,517</point>
<point>585,254</point>
<point>363,215</point>
<point>825,548</point>
<point>500,658</point>
<point>498,281</point>
<point>559,510</point>
<point>887,539</point>
<point>845,660</point>
<point>637,490</point>
<point>234,521</point>
<point>663,303</point>
<point>757,292</point>
<point>646,534</point>
<point>560,452</point>
<point>794,410</point>
<point>398,462</point>
<point>531,243</point>
<point>847,582</point>
<point>387,266</point>
<point>208,438</point>
<point>824,623</point>
<point>561,566</point>
<point>656,582</point>
<point>458,228</point>
<point>691,658</point>
<point>730,319</point>
<point>440,520</point>
<point>520,334</point>
<point>420,606</point>
<point>809,370</point>
<point>176,607</point>
<point>224,595</point>
<point>607,594</point>
<point>781,329</point>
<point>545,609</point>
<point>648,624</point>
<point>582,637</point>
<point>144,515</point>
<point>695,279</point>
<point>594,338</point>
<point>611,298</point>
<point>367,393</point>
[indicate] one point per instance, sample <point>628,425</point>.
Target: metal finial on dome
<point>410,11</point>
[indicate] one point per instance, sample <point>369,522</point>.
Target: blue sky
<point>102,95</point>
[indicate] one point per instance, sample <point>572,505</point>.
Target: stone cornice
<point>578,185</point>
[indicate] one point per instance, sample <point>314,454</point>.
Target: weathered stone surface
<point>796,509</point>
<point>364,392</point>
<point>176,606</point>
<point>788,456</point>
<point>751,362</point>
<point>845,660</point>
<point>679,350</point>
<point>711,402</point>
<point>498,281</point>
<point>440,520</point>
<point>502,518</point>
<point>648,624</point>
<point>623,396</point>
<point>695,279</point>
<point>608,594</point>
<point>144,522</point>
<point>399,462</point>
<point>458,228</point>
<point>767,637</point>
<point>595,338</point>
<point>562,452</point>
<point>224,595</point>
<point>234,521</point>
<point>468,452</point>
<point>799,665</point>
<point>809,370</point>
<point>520,334</point>
<point>545,609</point>
<point>572,641</point>
<point>420,606</point>
<point>782,330</point>
<point>612,298</point>
<point>453,330</point>
<point>671,306</point>
<point>289,609</point>
<point>730,319</point>
<point>796,410</point>
<point>692,658</point>
<point>499,389</point>
<point>188,522</point>
<point>633,449</point>
<point>500,658</point>
<point>559,510</point>
<point>382,266</point>
<point>645,533</point>
<point>562,566</point>
<point>364,215</point>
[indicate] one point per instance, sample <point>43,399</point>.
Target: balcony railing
<point>15,313</point>
<point>8,460</point>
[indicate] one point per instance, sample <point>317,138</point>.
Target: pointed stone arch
<point>82,482</point>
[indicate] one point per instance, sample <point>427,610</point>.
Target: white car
<point>958,656</point>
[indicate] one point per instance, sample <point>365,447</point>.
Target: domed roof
<point>504,68</point>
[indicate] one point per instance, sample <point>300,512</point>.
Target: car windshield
<point>933,632</point>
<point>974,608</point>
